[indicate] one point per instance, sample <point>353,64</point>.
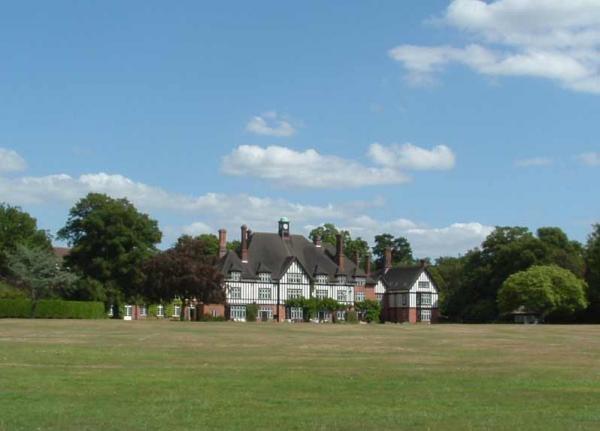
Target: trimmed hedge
<point>52,309</point>
<point>15,308</point>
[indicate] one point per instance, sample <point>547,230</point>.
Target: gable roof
<point>401,278</point>
<point>269,252</point>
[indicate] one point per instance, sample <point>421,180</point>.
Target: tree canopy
<point>544,289</point>
<point>592,274</point>
<point>184,271</point>
<point>401,250</point>
<point>110,240</point>
<point>352,247</point>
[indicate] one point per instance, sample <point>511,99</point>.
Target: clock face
<point>286,226</point>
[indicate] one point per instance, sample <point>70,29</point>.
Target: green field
<point>115,375</point>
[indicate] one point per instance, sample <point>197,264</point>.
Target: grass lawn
<point>115,375</point>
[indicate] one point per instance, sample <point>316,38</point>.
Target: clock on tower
<point>284,227</point>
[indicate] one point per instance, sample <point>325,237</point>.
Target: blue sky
<point>434,120</point>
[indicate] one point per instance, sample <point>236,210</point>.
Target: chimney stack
<point>339,255</point>
<point>244,243</point>
<point>388,258</point>
<point>368,269</point>
<point>423,263</point>
<point>317,241</point>
<point>222,243</point>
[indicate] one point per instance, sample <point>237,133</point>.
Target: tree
<point>592,274</point>
<point>328,234</point>
<point>38,272</point>
<point>369,310</point>
<point>110,240</point>
<point>18,227</point>
<point>185,271</point>
<point>544,289</point>
<point>401,250</point>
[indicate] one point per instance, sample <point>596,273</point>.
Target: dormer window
<point>341,279</point>
<point>264,276</point>
<point>359,281</point>
<point>322,279</point>
<point>235,275</point>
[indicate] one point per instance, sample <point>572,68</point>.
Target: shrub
<point>369,309</point>
<point>58,309</point>
<point>352,317</point>
<point>209,318</point>
<point>251,312</point>
<point>10,292</point>
<point>15,308</point>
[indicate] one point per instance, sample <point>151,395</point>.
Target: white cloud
<point>270,124</point>
<point>589,159</point>
<point>197,228</point>
<point>534,161</point>
<point>553,39</point>
<point>410,156</point>
<point>11,161</point>
<point>309,168</point>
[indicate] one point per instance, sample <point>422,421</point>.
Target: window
<point>160,311</point>
<point>359,281</point>
<point>321,293</point>
<point>341,295</point>
<point>265,313</point>
<point>264,293</point>
<point>405,299</point>
<point>111,311</point>
<point>128,311</point>
<point>143,311</point>
<point>359,296</point>
<point>214,313</point>
<point>322,279</point>
<point>390,300</point>
<point>425,315</point>
<point>264,276</point>
<point>341,315</point>
<point>235,275</point>
<point>176,310</point>
<point>296,313</point>
<point>237,312</point>
<point>425,299</point>
<point>423,285</point>
<point>341,279</point>
<point>294,278</point>
<point>235,292</point>
<point>379,296</point>
<point>294,293</point>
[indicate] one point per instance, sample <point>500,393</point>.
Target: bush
<point>210,318</point>
<point>251,312</point>
<point>352,317</point>
<point>58,309</point>
<point>10,292</point>
<point>15,308</point>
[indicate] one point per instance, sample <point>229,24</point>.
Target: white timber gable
<point>294,283</point>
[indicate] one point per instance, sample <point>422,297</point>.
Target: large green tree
<point>592,257</point>
<point>110,240</point>
<point>184,271</point>
<point>328,234</point>
<point>38,272</point>
<point>544,289</point>
<point>401,250</point>
<point>18,227</point>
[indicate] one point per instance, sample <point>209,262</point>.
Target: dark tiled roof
<point>401,278</point>
<point>270,252</point>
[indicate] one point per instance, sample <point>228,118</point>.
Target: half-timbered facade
<point>272,268</point>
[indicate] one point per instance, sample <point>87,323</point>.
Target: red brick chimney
<point>222,243</point>
<point>244,243</point>
<point>368,269</point>
<point>339,255</point>
<point>388,258</point>
<point>317,241</point>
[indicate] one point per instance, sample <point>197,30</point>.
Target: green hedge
<point>15,308</point>
<point>52,309</point>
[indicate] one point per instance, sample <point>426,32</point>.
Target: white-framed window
<point>160,311</point>
<point>425,299</point>
<point>405,299</point>
<point>235,275</point>
<point>176,310</point>
<point>359,281</point>
<point>264,276</point>
<point>143,311</point>
<point>111,311</point>
<point>321,293</point>
<point>237,312</point>
<point>265,313</point>
<point>128,311</point>
<point>340,314</point>
<point>423,285</point>
<point>294,278</point>
<point>359,296</point>
<point>264,293</point>
<point>391,300</point>
<point>296,313</point>
<point>235,292</point>
<point>341,279</point>
<point>425,315</point>
<point>379,296</point>
<point>213,313</point>
<point>294,293</point>
<point>341,295</point>
<point>322,279</point>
